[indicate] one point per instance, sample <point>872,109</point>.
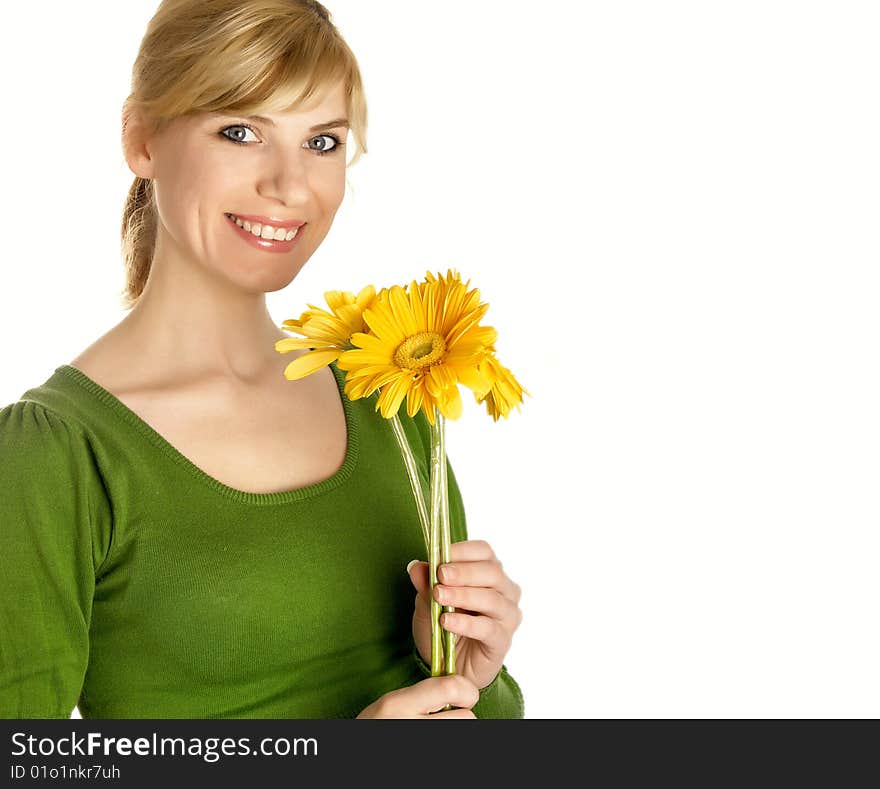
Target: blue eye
<point>337,144</point>
<point>323,151</point>
<point>236,126</point>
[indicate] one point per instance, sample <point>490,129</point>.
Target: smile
<point>265,231</point>
<point>265,237</point>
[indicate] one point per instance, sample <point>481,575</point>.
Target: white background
<point>672,210</point>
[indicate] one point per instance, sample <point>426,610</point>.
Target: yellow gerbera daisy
<point>424,341</point>
<point>328,333</point>
<point>443,284</point>
<point>506,391</point>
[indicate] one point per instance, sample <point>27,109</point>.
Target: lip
<point>265,244</point>
<point>287,224</point>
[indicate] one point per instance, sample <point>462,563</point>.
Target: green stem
<point>409,461</point>
<point>440,549</point>
<point>445,542</point>
<point>434,552</point>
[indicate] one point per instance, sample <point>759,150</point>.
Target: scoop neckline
<point>247,497</point>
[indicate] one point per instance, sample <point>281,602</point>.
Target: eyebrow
<point>320,127</point>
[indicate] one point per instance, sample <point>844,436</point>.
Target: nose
<point>286,179</point>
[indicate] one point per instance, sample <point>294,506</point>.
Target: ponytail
<point>138,238</point>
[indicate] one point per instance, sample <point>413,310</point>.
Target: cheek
<point>178,210</point>
<point>330,189</point>
<point>190,199</point>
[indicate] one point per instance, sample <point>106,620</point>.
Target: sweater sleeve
<point>54,533</point>
<point>502,698</point>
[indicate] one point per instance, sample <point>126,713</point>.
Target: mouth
<point>268,237</point>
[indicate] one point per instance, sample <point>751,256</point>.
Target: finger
<point>487,574</point>
<point>471,551</point>
<point>418,573</point>
<point>484,629</point>
<point>455,714</point>
<point>454,689</point>
<point>478,600</point>
<point>422,609</point>
<point>463,551</point>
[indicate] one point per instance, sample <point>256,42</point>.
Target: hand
<point>422,699</point>
<point>486,605</point>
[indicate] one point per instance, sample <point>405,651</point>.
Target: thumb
<point>418,574</point>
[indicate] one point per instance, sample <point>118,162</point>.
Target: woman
<point>185,532</point>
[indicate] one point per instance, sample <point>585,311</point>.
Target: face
<point>289,168</point>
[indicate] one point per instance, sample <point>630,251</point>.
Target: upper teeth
<point>265,231</point>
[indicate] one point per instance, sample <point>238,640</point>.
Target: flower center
<point>420,350</point>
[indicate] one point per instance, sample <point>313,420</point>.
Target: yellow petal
<point>295,343</point>
<point>381,322</point>
<point>429,302</point>
<point>418,307</point>
<point>366,295</point>
<point>473,379</point>
<point>439,378</point>
<point>451,406</point>
<point>373,382</point>
<point>370,342</point>
<point>361,387</point>
<point>393,394</point>
<point>337,298</point>
<point>330,326</point>
<point>357,358</point>
<point>415,398</point>
<point>309,363</point>
<point>352,390</point>
<point>402,311</point>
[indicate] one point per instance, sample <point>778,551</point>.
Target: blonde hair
<point>243,57</point>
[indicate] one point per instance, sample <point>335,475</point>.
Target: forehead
<point>326,105</point>
<point>325,98</point>
<point>326,108</point>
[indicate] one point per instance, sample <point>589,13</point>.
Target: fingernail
<point>410,565</point>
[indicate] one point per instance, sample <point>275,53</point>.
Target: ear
<point>136,144</point>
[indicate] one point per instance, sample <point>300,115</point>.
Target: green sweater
<point>135,585</point>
